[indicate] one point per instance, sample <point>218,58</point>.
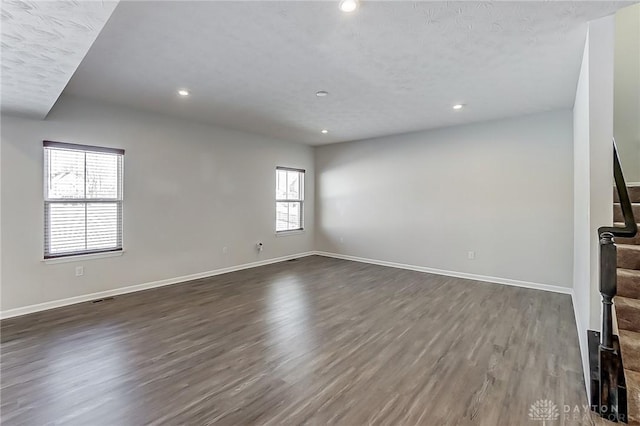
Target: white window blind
<point>82,199</point>
<point>289,199</point>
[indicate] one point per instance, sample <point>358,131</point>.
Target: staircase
<point>627,305</point>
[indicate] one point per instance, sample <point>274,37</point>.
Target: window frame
<point>48,201</point>
<point>300,200</point>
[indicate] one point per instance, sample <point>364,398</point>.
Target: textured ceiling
<point>391,67</point>
<point>43,43</point>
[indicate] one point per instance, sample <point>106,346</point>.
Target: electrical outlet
<point>225,250</point>
<point>471,255</point>
<point>341,240</point>
<point>79,271</point>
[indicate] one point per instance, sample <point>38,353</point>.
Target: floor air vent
<point>102,300</point>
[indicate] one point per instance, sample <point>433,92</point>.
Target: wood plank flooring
<point>312,341</point>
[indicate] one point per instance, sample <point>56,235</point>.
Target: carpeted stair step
<point>629,256</point>
<point>630,346</point>
<point>633,241</point>
<point>617,212</point>
<point>628,313</point>
<point>633,396</point>
<point>628,283</point>
<point>634,194</point>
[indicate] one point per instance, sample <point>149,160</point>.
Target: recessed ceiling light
<point>183,92</point>
<point>324,131</point>
<point>348,5</point>
<point>458,106</point>
<point>321,94</point>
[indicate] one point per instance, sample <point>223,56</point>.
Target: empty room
<point>340,212</point>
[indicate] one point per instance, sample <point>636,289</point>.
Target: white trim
<point>83,257</point>
<point>10,313</point>
<point>633,183</point>
<point>464,275</point>
<point>289,233</point>
<point>129,289</point>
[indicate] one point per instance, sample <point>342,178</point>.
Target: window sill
<point>289,233</point>
<point>79,257</point>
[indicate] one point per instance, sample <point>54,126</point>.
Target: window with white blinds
<point>289,199</point>
<point>82,199</point>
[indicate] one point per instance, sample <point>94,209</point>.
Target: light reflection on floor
<point>290,328</point>
<point>91,356</point>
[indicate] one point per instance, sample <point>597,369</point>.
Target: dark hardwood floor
<point>313,341</point>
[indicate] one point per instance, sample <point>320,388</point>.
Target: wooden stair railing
<point>608,391</point>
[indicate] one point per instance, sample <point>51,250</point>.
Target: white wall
<point>190,189</point>
<point>593,172</point>
<point>0,217</point>
<point>581,204</point>
<point>502,189</point>
<point>627,90</point>
<point>601,47</point>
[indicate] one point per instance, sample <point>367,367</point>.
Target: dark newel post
<point>607,359</point>
<point>608,261</point>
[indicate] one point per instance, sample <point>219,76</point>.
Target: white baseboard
<point>464,275</point>
<point>145,286</point>
<point>130,289</point>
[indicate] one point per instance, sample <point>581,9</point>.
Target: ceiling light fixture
<point>348,5</point>
<point>183,92</point>
<point>321,94</point>
<point>324,131</point>
<point>458,106</point>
